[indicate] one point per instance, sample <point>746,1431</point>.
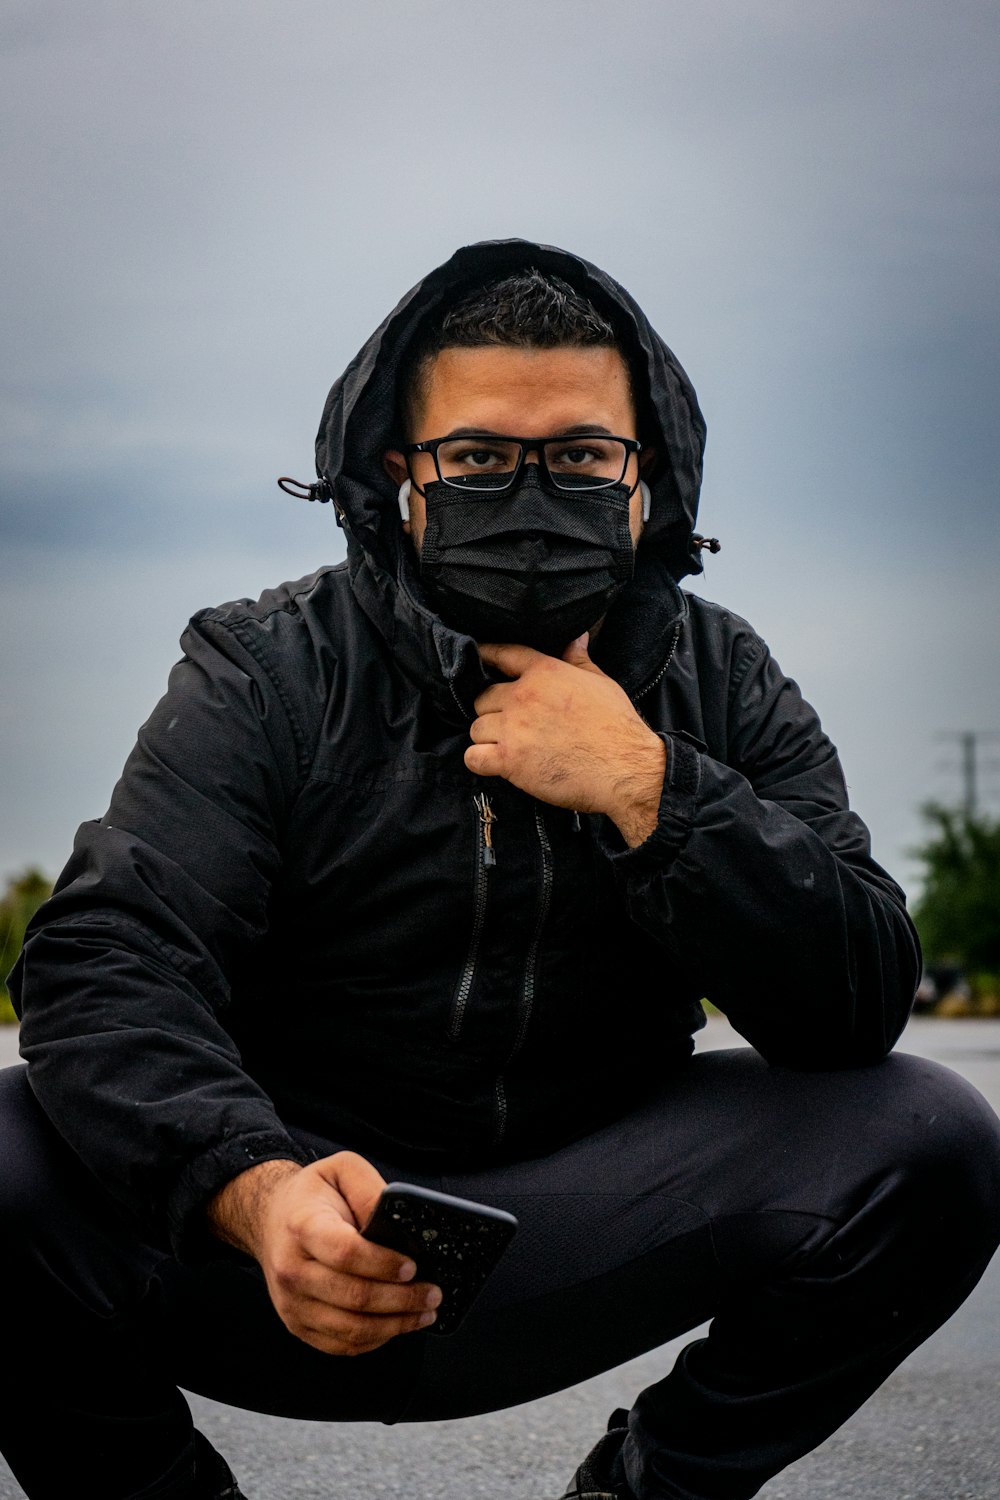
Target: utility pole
<point>968,740</point>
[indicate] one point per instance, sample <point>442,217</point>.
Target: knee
<point>62,1243</point>
<point>23,1172</point>
<point>42,1184</point>
<point>944,1156</point>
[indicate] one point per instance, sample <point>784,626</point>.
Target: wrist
<point>636,808</point>
<point>237,1213</point>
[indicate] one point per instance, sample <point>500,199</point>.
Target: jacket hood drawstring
<point>360,421</point>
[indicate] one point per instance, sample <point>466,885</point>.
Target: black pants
<point>828,1222</point>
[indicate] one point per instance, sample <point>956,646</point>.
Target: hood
<point>360,422</point>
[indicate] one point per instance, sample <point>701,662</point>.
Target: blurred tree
<point>22,898</point>
<point>958,915</point>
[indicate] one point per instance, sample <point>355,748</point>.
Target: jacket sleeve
<point>124,979</point>
<point>760,880</point>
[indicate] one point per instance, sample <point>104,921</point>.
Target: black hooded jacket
<point>285,919</point>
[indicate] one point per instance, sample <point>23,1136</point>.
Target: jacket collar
<point>634,641</point>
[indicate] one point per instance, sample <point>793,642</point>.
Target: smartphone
<point>455,1243</point>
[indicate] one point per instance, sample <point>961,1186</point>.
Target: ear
<point>394,465</point>
<point>647,459</point>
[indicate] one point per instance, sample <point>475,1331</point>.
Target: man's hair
<point>530,309</point>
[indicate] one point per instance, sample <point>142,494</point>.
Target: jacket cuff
<point>190,1238</point>
<point>678,803</point>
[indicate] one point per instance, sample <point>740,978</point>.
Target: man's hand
<point>330,1287</point>
<point>566,733</point>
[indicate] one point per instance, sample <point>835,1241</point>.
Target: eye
<point>478,458</point>
<point>576,455</point>
<point>592,459</point>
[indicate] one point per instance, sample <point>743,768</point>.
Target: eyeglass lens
<point>572,463</point>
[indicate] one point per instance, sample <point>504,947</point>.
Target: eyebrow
<point>589,429</point>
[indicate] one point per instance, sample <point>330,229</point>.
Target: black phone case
<point>454,1242</point>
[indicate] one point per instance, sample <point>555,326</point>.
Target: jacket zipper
<point>530,970</point>
<point>666,663</point>
<point>486,859</point>
<point>461,706</point>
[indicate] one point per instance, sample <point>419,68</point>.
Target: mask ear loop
<point>647,499</point>
<point>403,499</point>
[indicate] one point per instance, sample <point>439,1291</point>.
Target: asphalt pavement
<point>932,1432</point>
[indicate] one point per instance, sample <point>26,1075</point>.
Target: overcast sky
<point>210,204</point>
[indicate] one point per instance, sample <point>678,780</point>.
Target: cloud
<point>211,207</point>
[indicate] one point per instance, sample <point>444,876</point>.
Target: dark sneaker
<point>198,1473</point>
<point>599,1477</point>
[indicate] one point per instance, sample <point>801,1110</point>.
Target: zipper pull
<point>487,818</point>
<point>576,824</point>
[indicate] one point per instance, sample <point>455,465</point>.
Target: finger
<point>358,1294</point>
<point>360,1186</point>
<point>299,1278</point>
<point>577,653</point>
<point>493,699</point>
<point>483,760</point>
<point>485,730</point>
<point>355,1179</point>
<point>339,1332</point>
<point>511,660</point>
<point>324,1237</point>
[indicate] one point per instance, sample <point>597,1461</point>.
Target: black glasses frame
<point>528,444</point>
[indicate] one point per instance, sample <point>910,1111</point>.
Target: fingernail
<point>427,1317</point>
<point>433,1298</point>
<point>407,1270</point>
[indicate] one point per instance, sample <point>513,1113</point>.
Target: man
<point>420,870</point>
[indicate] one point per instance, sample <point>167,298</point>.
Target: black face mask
<point>531,565</point>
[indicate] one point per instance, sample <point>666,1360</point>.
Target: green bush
<point>22,898</point>
<point>986,993</point>
<point>958,915</point>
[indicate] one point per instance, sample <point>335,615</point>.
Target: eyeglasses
<point>490,463</point>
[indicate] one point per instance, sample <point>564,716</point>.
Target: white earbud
<point>647,499</point>
<point>404,499</point>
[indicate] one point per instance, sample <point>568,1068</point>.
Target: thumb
<point>577,654</point>
<point>355,1181</point>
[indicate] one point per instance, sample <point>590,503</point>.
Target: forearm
<point>807,947</point>
<point>635,789</point>
<point>135,1071</point>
